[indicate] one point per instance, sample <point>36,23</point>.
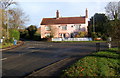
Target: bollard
<point>97,47</point>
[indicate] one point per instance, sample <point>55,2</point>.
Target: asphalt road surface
<point>34,55</point>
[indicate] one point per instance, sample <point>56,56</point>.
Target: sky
<point>38,9</point>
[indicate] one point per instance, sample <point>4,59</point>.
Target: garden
<point>102,63</point>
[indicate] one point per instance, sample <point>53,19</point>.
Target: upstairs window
<point>64,27</point>
<point>77,27</point>
<point>47,28</point>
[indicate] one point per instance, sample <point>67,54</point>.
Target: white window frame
<point>64,27</point>
<point>77,27</point>
<point>47,28</point>
<point>47,34</point>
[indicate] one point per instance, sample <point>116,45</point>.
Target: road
<point>34,55</point>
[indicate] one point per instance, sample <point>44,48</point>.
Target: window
<point>77,27</point>
<point>64,27</point>
<point>47,28</point>
<point>47,34</point>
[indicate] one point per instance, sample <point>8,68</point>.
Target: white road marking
<point>3,59</point>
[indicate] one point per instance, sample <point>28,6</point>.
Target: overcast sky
<point>38,9</point>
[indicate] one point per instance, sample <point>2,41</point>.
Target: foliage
<point>94,35</point>
<point>98,26</point>
<point>99,64</point>
<point>115,34</point>
<point>37,36</point>
<point>32,30</point>
<point>14,34</point>
<point>30,33</point>
<point>81,34</point>
<point>4,45</point>
<point>24,33</point>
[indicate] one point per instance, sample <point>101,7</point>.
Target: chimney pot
<point>57,14</point>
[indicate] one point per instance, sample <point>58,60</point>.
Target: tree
<point>112,10</point>
<point>98,24</point>
<point>6,3</point>
<point>32,30</point>
<point>17,18</point>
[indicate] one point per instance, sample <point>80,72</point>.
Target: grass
<point>77,41</point>
<point>4,45</point>
<point>103,63</point>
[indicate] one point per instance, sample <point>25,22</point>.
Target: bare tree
<point>17,18</point>
<point>112,10</point>
<point>6,3</point>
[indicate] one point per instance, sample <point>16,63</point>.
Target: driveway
<point>34,55</point>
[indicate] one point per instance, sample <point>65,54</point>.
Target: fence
<point>71,39</point>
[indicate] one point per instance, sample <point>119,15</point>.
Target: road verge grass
<point>76,41</point>
<point>5,45</point>
<point>103,63</point>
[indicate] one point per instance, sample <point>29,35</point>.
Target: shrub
<point>32,30</point>
<point>14,34</point>
<point>81,34</point>
<point>37,36</point>
<point>104,37</point>
<point>94,35</point>
<point>24,34</point>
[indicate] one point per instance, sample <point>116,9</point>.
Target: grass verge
<point>76,41</point>
<point>103,63</point>
<point>4,45</point>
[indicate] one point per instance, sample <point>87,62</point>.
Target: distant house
<point>63,27</point>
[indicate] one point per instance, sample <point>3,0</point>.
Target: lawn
<point>103,63</point>
<point>4,45</point>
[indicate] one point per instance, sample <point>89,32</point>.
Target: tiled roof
<point>63,20</point>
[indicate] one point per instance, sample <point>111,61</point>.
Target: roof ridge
<point>66,17</point>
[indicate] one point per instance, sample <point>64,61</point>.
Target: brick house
<point>64,27</point>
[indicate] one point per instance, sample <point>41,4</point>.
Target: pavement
<point>35,55</point>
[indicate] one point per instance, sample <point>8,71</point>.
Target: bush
<point>94,35</point>
<point>81,34</point>
<point>104,37</point>
<point>37,36</point>
<point>14,34</point>
<point>24,34</point>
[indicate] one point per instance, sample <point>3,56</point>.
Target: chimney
<point>86,13</point>
<point>57,14</point>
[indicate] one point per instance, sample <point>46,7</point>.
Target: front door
<point>63,36</point>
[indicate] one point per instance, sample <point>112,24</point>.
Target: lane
<point>34,55</point>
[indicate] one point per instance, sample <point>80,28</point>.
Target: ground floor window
<point>47,34</point>
<point>64,35</point>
